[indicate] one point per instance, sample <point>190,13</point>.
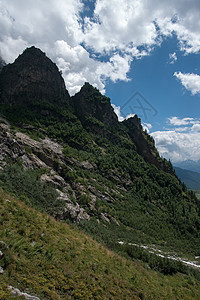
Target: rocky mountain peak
<point>89,102</point>
<point>144,143</point>
<point>32,77</point>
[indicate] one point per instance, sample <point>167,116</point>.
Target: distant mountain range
<point>190,165</point>
<point>190,178</point>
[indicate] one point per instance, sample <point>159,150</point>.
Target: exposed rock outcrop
<point>89,102</point>
<point>32,77</point>
<point>45,154</point>
<point>17,292</point>
<point>144,143</point>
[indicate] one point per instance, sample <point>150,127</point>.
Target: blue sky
<point>146,48</point>
<point>153,76</point>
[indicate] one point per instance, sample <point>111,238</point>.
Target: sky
<point>143,54</point>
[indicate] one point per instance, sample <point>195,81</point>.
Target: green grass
<point>54,260</point>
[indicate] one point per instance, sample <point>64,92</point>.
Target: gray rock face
<point>32,77</point>
<point>71,210</point>
<point>89,102</point>
<point>9,147</point>
<point>44,154</point>
<point>17,292</point>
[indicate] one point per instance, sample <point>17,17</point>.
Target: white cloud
<point>116,68</point>
<point>181,129</point>
<point>77,67</point>
<point>178,146</point>
<point>176,121</point>
<point>10,48</point>
<point>129,116</point>
<point>190,81</point>
<point>104,45</point>
<point>147,127</point>
<point>117,24</point>
<point>172,58</point>
<point>195,128</point>
<point>118,112</point>
<point>182,141</point>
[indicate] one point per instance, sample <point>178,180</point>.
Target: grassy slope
<point>56,261</point>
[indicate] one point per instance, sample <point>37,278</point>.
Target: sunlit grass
<point>53,260</point>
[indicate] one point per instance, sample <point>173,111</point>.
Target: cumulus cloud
<point>176,121</point>
<point>178,146</point>
<point>190,81</point>
<point>181,141</point>
<point>102,44</point>
<point>195,128</point>
<point>117,24</point>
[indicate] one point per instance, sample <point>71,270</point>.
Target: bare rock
<point>105,218</point>
<point>51,145</point>
<point>31,161</point>
<point>86,165</point>
<point>26,140</point>
<point>56,180</point>
<point>17,292</point>
<point>32,76</point>
<point>77,213</point>
<point>9,147</point>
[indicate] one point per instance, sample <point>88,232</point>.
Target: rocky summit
<point>32,77</point>
<point>90,103</point>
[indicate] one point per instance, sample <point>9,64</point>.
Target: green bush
<point>26,184</point>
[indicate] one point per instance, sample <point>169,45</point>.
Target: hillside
<point>69,156</point>
<point>190,178</point>
<point>49,259</point>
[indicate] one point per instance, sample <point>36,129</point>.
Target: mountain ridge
<point>72,158</point>
<point>190,165</point>
<point>34,77</point>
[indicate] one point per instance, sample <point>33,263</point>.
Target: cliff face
<point>89,102</point>
<point>144,144</point>
<point>32,77</point>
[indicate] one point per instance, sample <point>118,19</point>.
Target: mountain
<point>190,165</point>
<point>32,77</point>
<point>69,156</point>
<point>89,103</point>
<point>190,178</point>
